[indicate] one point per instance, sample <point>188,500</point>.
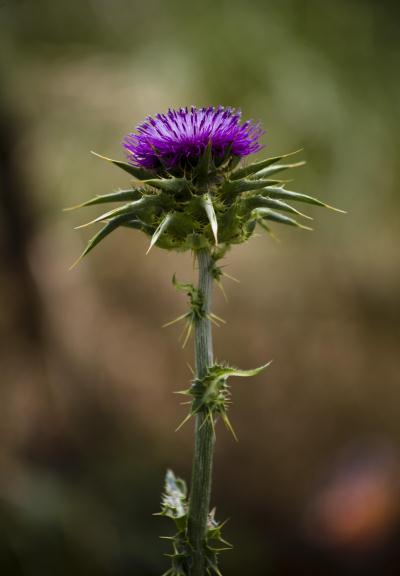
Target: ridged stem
<point>200,492</point>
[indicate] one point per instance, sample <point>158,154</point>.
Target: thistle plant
<point>189,192</point>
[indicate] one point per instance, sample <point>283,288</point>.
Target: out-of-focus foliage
<point>87,373</point>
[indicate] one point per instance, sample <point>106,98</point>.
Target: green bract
<point>174,505</point>
<point>209,206</point>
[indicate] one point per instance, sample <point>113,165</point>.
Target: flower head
<point>189,191</point>
<point>178,138</point>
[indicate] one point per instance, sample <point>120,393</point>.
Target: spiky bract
<point>189,192</point>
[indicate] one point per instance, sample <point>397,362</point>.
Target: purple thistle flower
<point>178,138</point>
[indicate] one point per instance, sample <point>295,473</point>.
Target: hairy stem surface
<point>204,437</point>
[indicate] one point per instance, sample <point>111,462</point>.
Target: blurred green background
<point>87,375</point>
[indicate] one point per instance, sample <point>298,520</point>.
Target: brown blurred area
<point>87,375</point>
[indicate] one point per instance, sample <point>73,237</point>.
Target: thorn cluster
<point>211,394</point>
<point>175,505</point>
<point>196,310</point>
<point>208,203</point>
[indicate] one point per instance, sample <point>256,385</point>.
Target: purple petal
<point>184,134</point>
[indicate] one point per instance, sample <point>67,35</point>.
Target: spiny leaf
<point>105,231</point>
<point>262,201</point>
<point>160,229</point>
<point>278,192</point>
<point>180,226</point>
<point>238,186</point>
<point>227,371</point>
<point>275,169</point>
<point>268,214</point>
<point>130,208</point>
<point>183,286</point>
<point>139,173</point>
<point>137,224</point>
<point>120,196</point>
<point>257,166</point>
<point>268,230</point>
<point>127,209</point>
<point>209,208</point>
<point>174,185</point>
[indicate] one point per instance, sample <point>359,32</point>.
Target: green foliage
<point>257,166</point>
<point>174,505</point>
<point>162,227</point>
<point>195,312</point>
<point>209,208</point>
<point>172,185</point>
<point>119,196</point>
<point>211,394</point>
<point>204,206</point>
<point>138,173</point>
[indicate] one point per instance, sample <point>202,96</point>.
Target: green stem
<point>204,436</point>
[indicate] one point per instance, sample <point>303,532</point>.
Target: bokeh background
<point>87,412</point>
